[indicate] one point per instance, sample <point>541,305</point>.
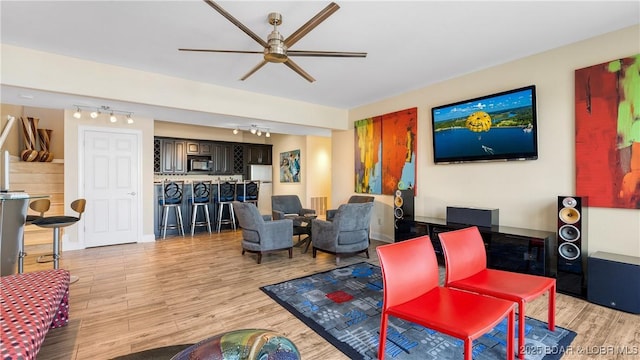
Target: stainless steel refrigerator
<point>264,173</point>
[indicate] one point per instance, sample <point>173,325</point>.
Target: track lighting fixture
<point>254,129</point>
<point>96,111</point>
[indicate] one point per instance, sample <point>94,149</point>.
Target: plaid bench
<point>32,303</point>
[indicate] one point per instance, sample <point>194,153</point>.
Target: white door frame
<point>81,180</point>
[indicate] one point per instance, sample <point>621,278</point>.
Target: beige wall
<point>317,168</point>
<point>12,143</point>
<point>285,143</point>
<point>48,119</point>
<point>524,191</point>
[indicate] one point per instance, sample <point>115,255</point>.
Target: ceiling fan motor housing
<point>276,52</point>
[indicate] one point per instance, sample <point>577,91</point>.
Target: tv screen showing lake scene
<point>496,127</point>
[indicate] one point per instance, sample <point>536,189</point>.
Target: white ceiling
<point>410,44</point>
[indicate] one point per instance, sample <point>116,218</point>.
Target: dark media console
<point>508,248</point>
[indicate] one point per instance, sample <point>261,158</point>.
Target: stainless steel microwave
<point>200,165</point>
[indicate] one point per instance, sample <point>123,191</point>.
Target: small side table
<point>302,226</point>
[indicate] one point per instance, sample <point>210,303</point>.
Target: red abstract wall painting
<point>385,152</point>
<point>607,110</point>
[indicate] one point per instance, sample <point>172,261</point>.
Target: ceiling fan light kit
<point>276,48</point>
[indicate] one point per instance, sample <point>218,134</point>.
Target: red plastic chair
<point>411,292</point>
<point>466,262</point>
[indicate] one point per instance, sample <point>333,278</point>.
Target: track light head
<point>77,114</point>
<point>129,119</point>
<point>94,114</point>
<point>113,118</point>
<point>235,131</point>
<point>268,134</point>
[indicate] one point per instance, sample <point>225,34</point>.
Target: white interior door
<point>111,178</point>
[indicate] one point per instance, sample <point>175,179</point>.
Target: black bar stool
<point>58,222</point>
<point>40,206</point>
<point>248,191</point>
<point>200,198</point>
<point>171,198</point>
<point>225,197</point>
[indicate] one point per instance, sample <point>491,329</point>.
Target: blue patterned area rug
<point>343,306</point>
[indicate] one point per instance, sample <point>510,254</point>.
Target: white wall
<point>526,191</point>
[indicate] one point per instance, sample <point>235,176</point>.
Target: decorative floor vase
<point>29,131</point>
<point>45,144</point>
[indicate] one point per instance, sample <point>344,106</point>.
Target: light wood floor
<point>181,290</point>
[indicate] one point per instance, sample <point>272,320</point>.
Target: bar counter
<point>13,214</point>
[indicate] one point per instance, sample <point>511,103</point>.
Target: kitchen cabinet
<point>257,154</point>
<point>173,156</point>
<point>199,148</point>
<point>222,158</point>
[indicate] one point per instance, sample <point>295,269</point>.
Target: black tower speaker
<point>403,215</point>
<point>571,270</point>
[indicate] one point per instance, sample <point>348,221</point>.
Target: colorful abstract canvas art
<point>290,166</point>
<point>385,152</point>
<point>607,111</point>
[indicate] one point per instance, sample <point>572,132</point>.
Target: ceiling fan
<point>276,48</point>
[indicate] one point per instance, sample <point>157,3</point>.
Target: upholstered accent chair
<point>260,236</point>
<point>288,206</point>
<point>347,234</point>
<point>354,199</point>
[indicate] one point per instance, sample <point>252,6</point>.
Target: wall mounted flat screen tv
<point>497,127</point>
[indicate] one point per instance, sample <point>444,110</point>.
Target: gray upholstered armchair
<point>283,206</point>
<point>347,234</point>
<point>354,199</point>
<point>260,236</point>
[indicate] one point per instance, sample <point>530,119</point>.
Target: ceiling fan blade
<point>326,53</point>
<point>224,51</point>
<point>256,68</point>
<point>293,66</point>
<point>237,23</point>
<point>311,24</point>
